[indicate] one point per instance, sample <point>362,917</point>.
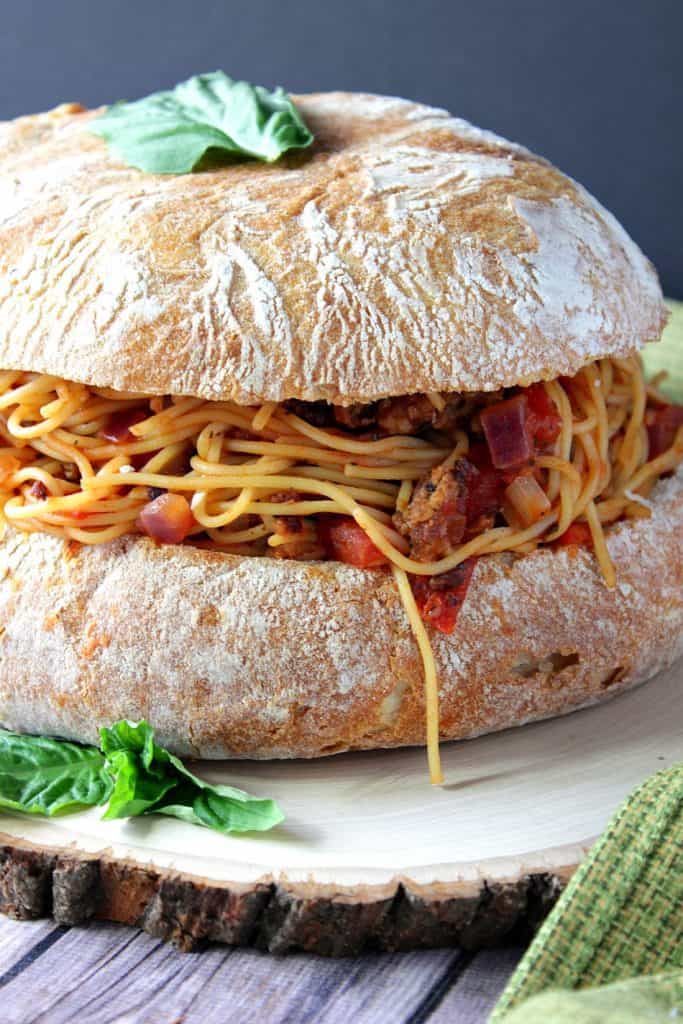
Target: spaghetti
<point>285,480</point>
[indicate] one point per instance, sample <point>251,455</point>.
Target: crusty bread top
<point>407,251</point>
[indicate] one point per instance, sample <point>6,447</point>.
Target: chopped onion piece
<point>168,519</point>
<point>528,499</point>
<point>505,429</point>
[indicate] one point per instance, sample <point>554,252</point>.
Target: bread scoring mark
<point>339,301</point>
<point>269,317</point>
<point>416,176</point>
<point>576,248</point>
<point>124,299</point>
<point>236,280</point>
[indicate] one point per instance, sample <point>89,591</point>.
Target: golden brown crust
<point>254,657</point>
<point>408,251</point>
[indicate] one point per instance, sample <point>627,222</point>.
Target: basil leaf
<point>150,780</point>
<point>221,808</point>
<point>206,119</point>
<point>39,775</point>
<point>135,790</point>
<point>130,737</point>
<point>138,783</point>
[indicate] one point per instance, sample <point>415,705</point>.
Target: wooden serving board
<point>370,855</point>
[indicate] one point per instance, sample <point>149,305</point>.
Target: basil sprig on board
<point>40,775</point>
<point>205,120</point>
<point>150,780</point>
<point>131,773</point>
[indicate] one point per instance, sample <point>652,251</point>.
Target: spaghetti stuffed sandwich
<point>342,446</point>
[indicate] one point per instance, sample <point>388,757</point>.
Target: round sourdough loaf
<point>255,657</point>
<point>407,251</point>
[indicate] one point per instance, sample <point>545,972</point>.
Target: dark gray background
<point>595,85</point>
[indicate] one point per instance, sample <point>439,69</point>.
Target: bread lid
<point>406,251</point>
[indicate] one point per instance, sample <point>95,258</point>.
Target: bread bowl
<point>321,303</point>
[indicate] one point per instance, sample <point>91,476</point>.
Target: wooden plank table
<point>110,974</point>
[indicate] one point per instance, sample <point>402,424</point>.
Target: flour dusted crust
<point>408,251</point>
<point>254,657</point>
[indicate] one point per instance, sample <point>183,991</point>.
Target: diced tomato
<point>505,429</point>
<point>484,494</point>
<point>577,534</point>
<point>440,598</point>
<point>662,427</point>
<point>346,541</point>
<point>544,421</point>
<point>117,429</point>
<point>168,519</point>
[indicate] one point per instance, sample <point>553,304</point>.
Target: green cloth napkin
<point>612,949</point>
<point>667,354</point>
<point>657,999</point>
<point>621,916</point>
